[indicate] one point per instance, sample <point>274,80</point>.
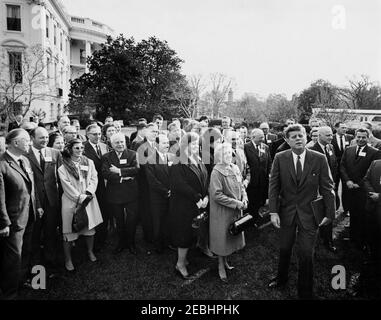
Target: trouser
<point>345,197</point>
<point>159,210</point>
<point>10,263</point>
<point>144,209</point>
<point>257,198</point>
<point>126,220</point>
<point>357,199</point>
<point>45,232</point>
<point>102,229</point>
<point>305,241</point>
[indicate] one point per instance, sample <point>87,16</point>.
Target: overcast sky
<point>267,46</point>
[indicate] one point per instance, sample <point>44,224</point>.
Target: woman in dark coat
<point>189,189</point>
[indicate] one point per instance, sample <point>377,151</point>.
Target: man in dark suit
<point>297,177</point>
<point>145,149</point>
<point>18,209</point>
<point>120,168</point>
<point>15,124</point>
<point>354,165</point>
<point>323,146</point>
<point>259,163</point>
<point>139,137</point>
<point>45,163</point>
<point>269,138</point>
<point>279,145</point>
<point>94,149</point>
<point>340,142</point>
<point>157,171</point>
<point>142,123</point>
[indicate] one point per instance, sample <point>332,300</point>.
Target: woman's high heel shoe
<point>229,267</point>
<point>180,274</point>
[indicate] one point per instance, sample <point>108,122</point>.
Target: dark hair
<point>92,126</point>
<point>362,130</point>
<point>105,128</point>
<point>68,150</point>
<point>367,124</point>
<point>53,137</point>
<point>294,127</point>
<point>142,120</point>
<point>13,134</point>
<point>337,124</point>
<point>141,126</point>
<point>157,117</point>
<point>202,118</point>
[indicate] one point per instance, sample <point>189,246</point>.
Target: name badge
<point>346,143</point>
<point>362,154</point>
<point>48,159</point>
<point>269,141</point>
<point>123,161</point>
<point>170,163</point>
<point>84,168</point>
<point>330,153</point>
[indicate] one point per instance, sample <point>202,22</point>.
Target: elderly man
<point>158,120</point>
<point>45,162</point>
<point>298,176</point>
<point>75,123</point>
<point>269,138</point>
<point>354,164</point>
<point>323,146</point>
<point>225,123</point>
<point>120,168</point>
<point>118,128</point>
<point>19,207</point>
<point>94,149</point>
<point>259,162</point>
<point>63,121</point>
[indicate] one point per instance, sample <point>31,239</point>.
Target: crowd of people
<point>184,182</point>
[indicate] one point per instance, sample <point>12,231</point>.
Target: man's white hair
<point>256,131</point>
<point>116,136</point>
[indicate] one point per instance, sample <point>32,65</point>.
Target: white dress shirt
<point>37,154</point>
<point>338,141</point>
<point>302,158</point>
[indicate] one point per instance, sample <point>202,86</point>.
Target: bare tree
<point>197,86</point>
<point>23,79</point>
<point>354,96</point>
<point>220,85</point>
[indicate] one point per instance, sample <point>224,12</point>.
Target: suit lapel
<point>16,167</point>
<point>32,157</point>
<point>90,150</point>
<point>291,166</point>
<point>307,166</point>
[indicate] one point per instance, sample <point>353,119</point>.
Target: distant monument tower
<point>230,96</point>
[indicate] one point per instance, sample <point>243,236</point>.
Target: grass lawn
<point>125,276</point>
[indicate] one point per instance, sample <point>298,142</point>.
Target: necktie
<point>298,170</point>
<point>99,153</point>
<point>21,164</point>
<point>42,161</point>
<point>358,151</point>
<point>265,139</point>
<point>341,144</point>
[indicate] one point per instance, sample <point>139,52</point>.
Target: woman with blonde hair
<point>227,201</point>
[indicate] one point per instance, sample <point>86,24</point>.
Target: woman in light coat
<point>79,182</point>
<point>227,200</point>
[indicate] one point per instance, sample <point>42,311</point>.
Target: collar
<point>37,151</point>
<point>302,155</point>
<point>324,148</point>
<point>14,157</point>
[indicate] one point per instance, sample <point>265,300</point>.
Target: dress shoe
<point>331,248</point>
<point>224,279</point>
<point>132,250</point>
<point>118,249</point>
<point>276,283</point>
<point>70,268</point>
<point>180,274</point>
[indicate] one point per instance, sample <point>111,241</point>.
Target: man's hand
<point>4,232</point>
<point>40,212</point>
<point>205,202</point>
<point>275,220</point>
<point>240,205</point>
<point>169,193</point>
<point>325,221</point>
<point>374,196</point>
<point>244,204</point>
<point>114,169</point>
<point>267,202</point>
<point>245,183</point>
<point>350,184</point>
<point>199,203</point>
<point>356,186</point>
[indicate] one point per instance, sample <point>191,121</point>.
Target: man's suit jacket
<point>372,184</point>
<point>259,166</point>
<point>120,191</point>
<point>144,151</point>
<point>338,152</point>
<point>137,142</point>
<point>157,174</point>
<point>289,199</point>
<point>47,181</point>
<point>17,193</point>
<point>331,159</point>
<point>274,146</point>
<point>355,169</point>
<point>90,153</point>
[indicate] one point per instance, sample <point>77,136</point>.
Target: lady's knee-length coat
<point>225,192</point>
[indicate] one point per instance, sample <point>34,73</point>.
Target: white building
<point>65,40</point>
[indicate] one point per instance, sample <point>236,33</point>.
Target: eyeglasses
<point>71,132</point>
<point>78,148</point>
<point>95,134</point>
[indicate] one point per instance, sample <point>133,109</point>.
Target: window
<point>82,56</point>
<point>55,73</point>
<point>48,69</point>
<point>61,41</point>
<point>52,111</point>
<point>13,18</point>
<point>15,67</point>
<point>47,26</point>
<point>55,35</point>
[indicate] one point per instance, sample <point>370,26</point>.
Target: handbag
<point>80,218</point>
<point>240,224</point>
